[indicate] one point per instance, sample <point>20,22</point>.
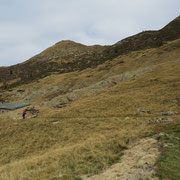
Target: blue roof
<point>13,106</point>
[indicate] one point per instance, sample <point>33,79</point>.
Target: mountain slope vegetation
<point>68,56</point>
<point>94,103</point>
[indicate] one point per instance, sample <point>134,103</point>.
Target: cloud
<point>28,27</point>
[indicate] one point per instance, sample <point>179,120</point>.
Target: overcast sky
<point>27,27</point>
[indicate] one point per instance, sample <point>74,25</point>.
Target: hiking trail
<point>137,163</point>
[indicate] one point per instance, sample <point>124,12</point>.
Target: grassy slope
<point>91,132</point>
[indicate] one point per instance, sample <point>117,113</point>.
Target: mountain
<point>96,112</point>
<point>68,56</point>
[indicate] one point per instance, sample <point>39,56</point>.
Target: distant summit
<point>149,39</point>
<point>67,42</point>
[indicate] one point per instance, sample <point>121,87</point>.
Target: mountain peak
<point>67,43</point>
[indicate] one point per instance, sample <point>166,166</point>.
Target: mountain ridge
<point>67,56</point>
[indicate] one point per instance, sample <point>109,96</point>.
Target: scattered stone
<point>144,111</point>
<point>161,134</point>
<point>3,111</point>
<point>126,118</point>
<point>177,100</point>
<point>169,113</point>
<point>33,111</point>
<point>1,99</point>
<point>60,105</point>
<point>21,90</point>
<point>56,122</point>
<point>160,120</point>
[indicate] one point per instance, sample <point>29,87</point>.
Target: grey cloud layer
<point>28,27</point>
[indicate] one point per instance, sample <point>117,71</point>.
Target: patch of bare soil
<point>137,163</point>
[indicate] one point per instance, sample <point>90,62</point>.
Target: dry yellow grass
<point>90,133</point>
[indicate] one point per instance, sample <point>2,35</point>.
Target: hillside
<point>101,108</point>
<point>68,56</point>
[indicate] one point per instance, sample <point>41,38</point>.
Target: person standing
<point>24,114</point>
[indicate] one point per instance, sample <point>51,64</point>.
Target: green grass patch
<point>168,165</point>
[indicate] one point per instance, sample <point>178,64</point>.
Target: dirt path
<point>137,163</point>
